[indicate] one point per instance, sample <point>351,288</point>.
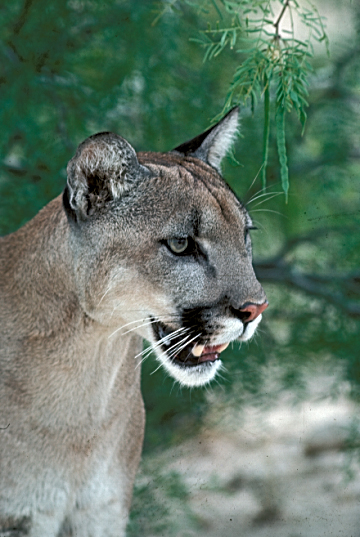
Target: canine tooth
<point>223,347</point>
<point>197,350</point>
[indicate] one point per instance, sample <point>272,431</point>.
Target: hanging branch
<point>278,20</point>
<point>280,138</point>
<point>266,129</point>
<point>273,58</point>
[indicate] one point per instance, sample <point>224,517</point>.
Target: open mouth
<point>185,351</point>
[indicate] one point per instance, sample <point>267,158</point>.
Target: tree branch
<point>333,289</point>
<point>18,27</point>
<point>278,20</point>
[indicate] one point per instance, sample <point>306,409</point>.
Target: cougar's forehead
<point>199,198</point>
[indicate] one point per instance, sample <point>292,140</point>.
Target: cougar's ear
<point>212,145</point>
<point>104,166</point>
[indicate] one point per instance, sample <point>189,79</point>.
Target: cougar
<point>150,246</point>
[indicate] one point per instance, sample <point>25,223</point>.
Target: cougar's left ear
<point>104,166</point>
<point>212,145</point>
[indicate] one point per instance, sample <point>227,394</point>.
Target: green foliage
<point>280,138</point>
<point>69,69</point>
<point>269,56</point>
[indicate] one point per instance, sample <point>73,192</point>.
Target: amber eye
<point>178,246</point>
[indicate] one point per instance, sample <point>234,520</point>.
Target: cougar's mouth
<point>184,350</point>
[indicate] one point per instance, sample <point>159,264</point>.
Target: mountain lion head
<point>161,247</point>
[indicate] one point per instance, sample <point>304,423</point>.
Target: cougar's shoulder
<point>36,275</point>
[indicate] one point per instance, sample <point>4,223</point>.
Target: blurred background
<point>272,448</point>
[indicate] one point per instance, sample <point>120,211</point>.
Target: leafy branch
<point>315,285</point>
<point>341,289</point>
<point>275,64</point>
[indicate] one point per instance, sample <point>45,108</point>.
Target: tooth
<point>197,350</point>
<point>223,347</point>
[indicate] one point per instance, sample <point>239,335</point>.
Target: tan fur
<point>80,286</point>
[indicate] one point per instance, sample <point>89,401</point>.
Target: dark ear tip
<point>192,145</point>
<point>196,146</point>
<point>235,110</point>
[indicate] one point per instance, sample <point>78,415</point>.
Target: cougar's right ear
<point>212,145</point>
<point>103,168</point>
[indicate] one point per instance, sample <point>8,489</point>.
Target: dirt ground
<point>276,473</point>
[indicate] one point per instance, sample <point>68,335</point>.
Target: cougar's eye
<point>178,246</point>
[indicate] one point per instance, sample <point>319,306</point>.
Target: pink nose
<point>254,310</point>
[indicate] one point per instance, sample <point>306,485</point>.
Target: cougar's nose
<point>252,311</point>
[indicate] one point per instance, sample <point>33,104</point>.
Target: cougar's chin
<point>197,375</point>
<point>184,357</point>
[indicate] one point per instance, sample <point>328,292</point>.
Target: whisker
<point>142,361</point>
<point>157,369</point>
<point>161,318</point>
<point>268,211</point>
<point>220,376</point>
<point>124,326</point>
<point>168,337</point>
<point>177,347</point>
<point>174,349</point>
<point>185,345</point>
<point>144,353</point>
<point>274,195</point>
<point>256,176</point>
<point>106,292</point>
<point>147,352</point>
<point>258,192</point>
<point>268,194</point>
<point>263,190</point>
<point>127,310</point>
<point>225,370</point>
<point>259,224</point>
<point>143,324</point>
<point>172,387</point>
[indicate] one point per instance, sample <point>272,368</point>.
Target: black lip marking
<point>184,358</point>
